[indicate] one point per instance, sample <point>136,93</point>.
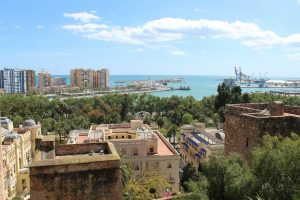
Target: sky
<point>152,37</point>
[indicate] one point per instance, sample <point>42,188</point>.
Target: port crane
<point>240,77</point>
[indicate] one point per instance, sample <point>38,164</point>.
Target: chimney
<point>276,108</point>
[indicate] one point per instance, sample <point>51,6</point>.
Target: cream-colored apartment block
<point>198,143</point>
<point>17,150</point>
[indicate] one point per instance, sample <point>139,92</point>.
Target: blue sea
<point>201,86</point>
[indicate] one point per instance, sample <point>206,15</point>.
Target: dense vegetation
<point>61,116</point>
<point>273,174</point>
<point>168,113</point>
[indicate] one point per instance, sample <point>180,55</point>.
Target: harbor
<point>246,81</point>
<point>131,87</point>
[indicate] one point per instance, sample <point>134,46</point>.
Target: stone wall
<point>245,126</point>
<point>292,110</point>
<point>75,149</point>
<point>96,180</point>
<point>75,173</point>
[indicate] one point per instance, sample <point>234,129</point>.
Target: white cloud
<point>177,53</point>
<point>85,28</point>
<point>172,29</point>
<point>18,27</point>
<point>82,16</point>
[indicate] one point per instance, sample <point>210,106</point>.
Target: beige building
<point>88,78</point>
<point>197,143</point>
<point>44,80</point>
<point>30,80</point>
<point>142,147</point>
<point>17,150</point>
<point>101,79</point>
<point>82,78</point>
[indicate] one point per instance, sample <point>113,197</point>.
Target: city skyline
<point>151,37</point>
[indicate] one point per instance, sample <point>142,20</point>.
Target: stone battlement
<point>245,124</point>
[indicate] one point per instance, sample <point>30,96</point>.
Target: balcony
<point>185,145</point>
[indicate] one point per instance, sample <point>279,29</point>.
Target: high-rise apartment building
<point>88,78</point>
<point>44,79</point>
<point>101,78</point>
<point>13,80</point>
<point>30,79</point>
<point>76,76</point>
<point>1,79</point>
<point>82,78</point>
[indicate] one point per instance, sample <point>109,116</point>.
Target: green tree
<point>223,97</point>
<point>188,173</point>
<point>126,172</point>
<point>187,118</point>
<point>228,177</point>
<point>236,93</point>
<point>277,167</point>
<point>17,120</point>
<point>148,185</point>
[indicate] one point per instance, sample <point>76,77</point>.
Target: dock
<point>286,93</point>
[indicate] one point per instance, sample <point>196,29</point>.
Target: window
<point>151,150</point>
<point>117,137</point>
<point>169,165</point>
<point>129,136</point>
<point>122,136</point>
<point>135,151</point>
<point>109,137</point>
<point>247,142</point>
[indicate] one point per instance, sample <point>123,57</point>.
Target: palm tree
<point>126,172</point>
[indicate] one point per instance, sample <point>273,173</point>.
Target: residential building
<point>13,80</point>
<point>89,79</point>
<point>17,150</point>
<point>30,80</point>
<point>101,79</point>
<point>198,143</point>
<point>82,78</point>
<point>246,124</point>
<point>1,79</point>
<point>6,123</point>
<point>44,80</point>
<point>76,171</point>
<point>143,148</point>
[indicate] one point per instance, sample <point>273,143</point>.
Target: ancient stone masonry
<point>245,124</point>
<point>80,171</point>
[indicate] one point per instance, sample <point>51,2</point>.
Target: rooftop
<point>79,153</point>
<point>164,148</point>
